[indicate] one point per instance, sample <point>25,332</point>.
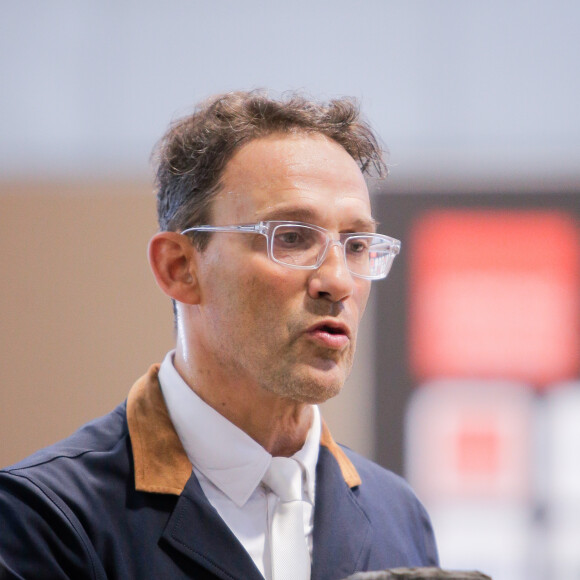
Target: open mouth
<point>333,336</point>
<point>331,329</point>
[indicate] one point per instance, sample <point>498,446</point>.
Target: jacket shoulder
<point>372,473</point>
<point>392,505</point>
<point>100,435</point>
<point>47,501</point>
<point>80,470</point>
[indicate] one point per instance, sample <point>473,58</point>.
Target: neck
<point>280,425</point>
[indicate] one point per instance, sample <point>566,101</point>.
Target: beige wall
<point>81,316</point>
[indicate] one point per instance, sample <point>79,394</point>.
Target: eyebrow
<point>307,215</point>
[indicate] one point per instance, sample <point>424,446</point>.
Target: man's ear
<point>172,259</point>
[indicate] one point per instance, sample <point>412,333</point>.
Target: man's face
<point>290,332</point>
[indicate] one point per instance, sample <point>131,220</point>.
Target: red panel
<point>478,447</point>
<point>470,439</point>
<point>495,294</point>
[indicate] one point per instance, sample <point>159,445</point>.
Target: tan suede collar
<point>161,464</point>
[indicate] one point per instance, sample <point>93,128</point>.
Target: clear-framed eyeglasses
<point>305,246</point>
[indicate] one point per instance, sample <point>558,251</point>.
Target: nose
<point>332,280</point>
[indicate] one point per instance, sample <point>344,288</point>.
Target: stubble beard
<point>288,370</point>
<point>298,381</point>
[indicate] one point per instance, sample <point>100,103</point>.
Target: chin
<point>308,383</point>
<point>319,387</point>
<point>324,395</point>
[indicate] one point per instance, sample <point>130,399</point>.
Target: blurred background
<point>468,373</point>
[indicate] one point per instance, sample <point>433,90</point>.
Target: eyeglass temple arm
<point>243,228</point>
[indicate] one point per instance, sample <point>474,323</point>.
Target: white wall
<point>454,87</point>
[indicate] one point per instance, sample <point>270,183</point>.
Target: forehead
<point>302,177</point>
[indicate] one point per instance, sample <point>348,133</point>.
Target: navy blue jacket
<point>118,500</point>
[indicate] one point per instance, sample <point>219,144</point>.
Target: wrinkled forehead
<point>304,178</point>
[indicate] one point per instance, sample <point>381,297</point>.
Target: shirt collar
<point>220,450</point>
<point>160,462</point>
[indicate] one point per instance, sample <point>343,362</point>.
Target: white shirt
<point>230,465</point>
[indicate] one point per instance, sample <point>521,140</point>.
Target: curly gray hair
<point>194,151</point>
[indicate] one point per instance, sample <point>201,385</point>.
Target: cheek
<point>271,293</point>
<point>269,279</point>
<point>274,304</point>
<point>361,296</point>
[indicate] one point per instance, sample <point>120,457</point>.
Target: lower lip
<point>329,340</point>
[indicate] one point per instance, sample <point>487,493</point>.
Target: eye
<point>358,246</point>
<point>288,238</point>
<point>294,237</point>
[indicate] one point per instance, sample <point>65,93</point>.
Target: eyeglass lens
<point>301,245</point>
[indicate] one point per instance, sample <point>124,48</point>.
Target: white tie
<point>289,550</point>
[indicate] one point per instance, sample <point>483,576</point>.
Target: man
<point>267,247</point>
